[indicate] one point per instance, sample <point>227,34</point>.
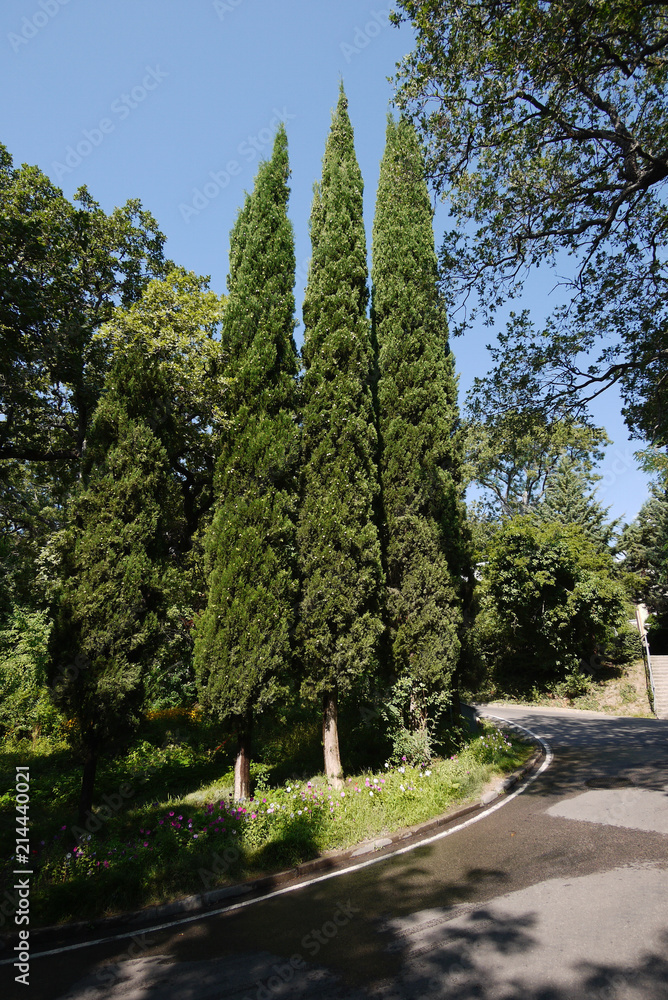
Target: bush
<point>25,704</point>
<point>549,603</point>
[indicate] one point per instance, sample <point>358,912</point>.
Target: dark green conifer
<point>340,620</point>
<point>569,499</point>
<point>125,527</point>
<point>243,646</point>
<point>423,536</point>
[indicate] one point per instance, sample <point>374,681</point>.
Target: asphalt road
<point>561,894</point>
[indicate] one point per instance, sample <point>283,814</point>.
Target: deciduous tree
<point>547,127</point>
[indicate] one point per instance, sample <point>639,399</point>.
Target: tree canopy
<point>547,127</point>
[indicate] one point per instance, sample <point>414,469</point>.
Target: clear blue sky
<point>175,101</point>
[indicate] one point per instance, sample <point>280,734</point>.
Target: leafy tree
<point>176,324</point>
<point>420,444</point>
<point>568,499</point>
<point>118,570</point>
<point>175,327</point>
<point>63,270</point>
<point>549,603</point>
<point>547,128</point>
<point>243,649</point>
<point>24,645</point>
<point>513,447</point>
<point>644,544</point>
<point>340,614</point>
<point>63,267</point>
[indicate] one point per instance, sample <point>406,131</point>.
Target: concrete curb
<point>201,902</point>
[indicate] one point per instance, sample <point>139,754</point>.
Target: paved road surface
<point>562,894</point>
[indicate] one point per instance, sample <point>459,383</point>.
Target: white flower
<point>386,764</point>
<point>402,788</point>
<point>371,794</point>
<point>401,770</point>
<point>427,773</point>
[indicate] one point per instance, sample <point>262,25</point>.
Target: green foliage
<point>175,327</point>
<point>568,500</point>
<point>340,618</point>
<point>118,572</point>
<point>644,544</point>
<point>549,603</point>
<point>25,705</point>
<point>546,125</point>
<point>175,832</point>
<point>514,447</point>
<point>243,647</point>
<point>420,446</point>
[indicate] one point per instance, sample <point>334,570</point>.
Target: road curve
<point>562,894</point>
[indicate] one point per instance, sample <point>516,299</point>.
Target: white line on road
<point>549,756</point>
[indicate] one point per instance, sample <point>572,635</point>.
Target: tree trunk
<point>242,778</point>
<point>330,739</point>
<point>87,784</point>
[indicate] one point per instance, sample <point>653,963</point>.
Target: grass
<point>619,690</point>
<point>166,825</point>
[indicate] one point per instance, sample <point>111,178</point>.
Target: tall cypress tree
<point>340,619</point>
<point>125,528</point>
<point>244,637</point>
<point>423,538</point>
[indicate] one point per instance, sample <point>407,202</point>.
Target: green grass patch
<point>166,825</point>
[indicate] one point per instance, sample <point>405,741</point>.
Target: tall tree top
<point>337,236</point>
<point>569,500</point>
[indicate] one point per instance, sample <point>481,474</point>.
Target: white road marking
<point>549,756</point>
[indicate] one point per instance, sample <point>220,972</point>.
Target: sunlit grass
<point>178,832</point>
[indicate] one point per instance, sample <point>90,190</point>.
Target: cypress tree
<point>243,644</point>
<point>424,542</point>
<point>125,526</point>
<point>340,619</point>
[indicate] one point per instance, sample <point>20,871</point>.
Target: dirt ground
<point>624,695</point>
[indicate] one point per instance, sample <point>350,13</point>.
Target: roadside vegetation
<point>166,824</point>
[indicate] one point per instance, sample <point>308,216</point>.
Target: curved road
<point>561,894</point>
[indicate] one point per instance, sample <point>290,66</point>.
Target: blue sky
<point>175,102</point>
